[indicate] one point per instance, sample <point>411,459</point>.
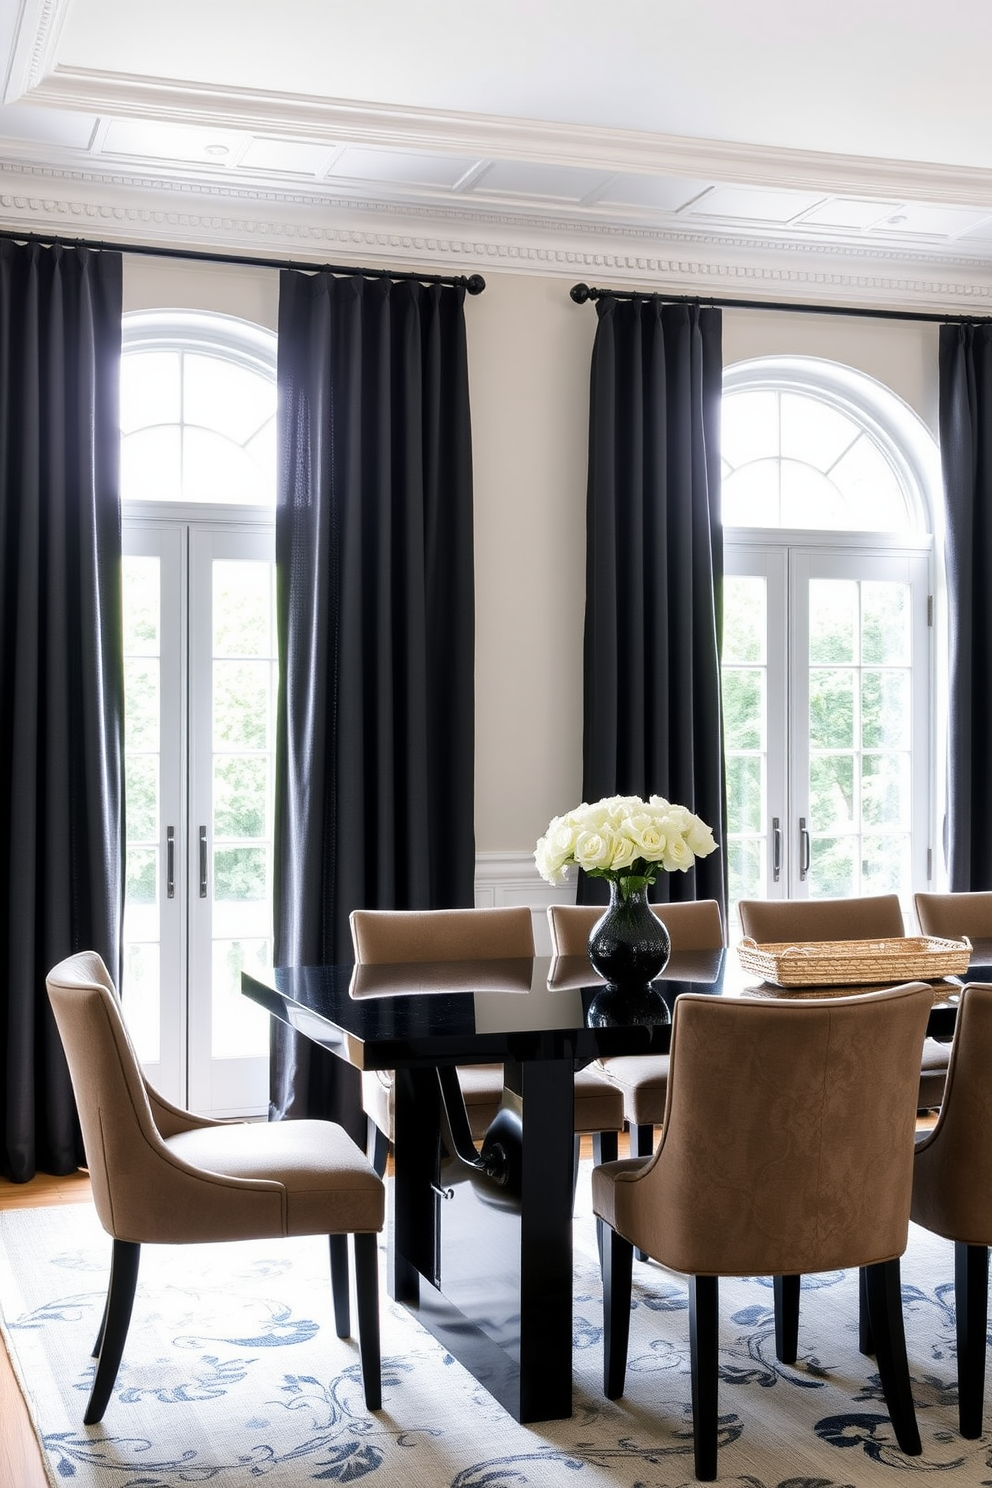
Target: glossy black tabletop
<point>424,1013</point>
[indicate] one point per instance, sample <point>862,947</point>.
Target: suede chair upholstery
<point>952,916</point>
<point>813,1173</point>
<point>165,1176</point>
<point>643,1078</point>
<point>952,1190</point>
<point>386,935</point>
<point>774,921</point>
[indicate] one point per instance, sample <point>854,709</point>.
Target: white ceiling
<point>773,145</point>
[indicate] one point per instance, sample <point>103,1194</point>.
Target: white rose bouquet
<point>623,839</point>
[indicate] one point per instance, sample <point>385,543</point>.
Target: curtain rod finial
<point>474,284</point>
<point>580,293</point>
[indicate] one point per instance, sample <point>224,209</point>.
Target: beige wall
<point>529,351</point>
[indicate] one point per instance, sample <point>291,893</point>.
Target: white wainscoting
<point>509,878</point>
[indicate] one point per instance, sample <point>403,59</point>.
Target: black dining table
<point>480,1239</point>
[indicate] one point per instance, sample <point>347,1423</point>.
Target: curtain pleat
<point>61,668</point>
<point>374,554</point>
<point>653,721</point>
<point>966,456</point>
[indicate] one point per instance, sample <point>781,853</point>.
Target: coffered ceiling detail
<point>737,149</point>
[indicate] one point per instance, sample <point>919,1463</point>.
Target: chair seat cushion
<point>643,1083</point>
<point>328,1185</point>
<point>598,1103</point>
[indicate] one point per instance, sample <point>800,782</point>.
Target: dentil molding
<point>319,228</point>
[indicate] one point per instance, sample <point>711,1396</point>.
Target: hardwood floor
<point>21,1463</point>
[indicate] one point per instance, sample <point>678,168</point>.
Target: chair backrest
<point>693,926</point>
<point>120,1137</point>
<point>774,921</point>
<point>788,1136</point>
<point>952,1189</point>
<point>382,935</point>
<point>953,915</point>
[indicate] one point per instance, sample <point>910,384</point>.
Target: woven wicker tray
<point>838,963</point>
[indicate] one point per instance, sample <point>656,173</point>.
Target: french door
<point>200,696</point>
<point>826,682</point>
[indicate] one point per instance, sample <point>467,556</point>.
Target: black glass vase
<point>629,945</point>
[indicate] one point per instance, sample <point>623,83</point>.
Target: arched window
<point>198,406</point>
<point>829,482</point>
<point>198,409</point>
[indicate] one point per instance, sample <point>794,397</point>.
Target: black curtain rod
<point>473,283</point>
<point>580,293</point>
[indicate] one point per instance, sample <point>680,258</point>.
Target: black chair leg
<point>785,1290</point>
<point>367,1290</point>
<point>865,1341</point>
<point>884,1290</point>
<point>339,1285</point>
<point>971,1294</point>
<point>605,1146</point>
<point>618,1264</point>
<point>642,1140</point>
<point>377,1148</point>
<point>704,1294</point>
<point>113,1330</point>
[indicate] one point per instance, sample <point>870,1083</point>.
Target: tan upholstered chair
<point>774,921</point>
<point>162,1175</point>
<point>642,1079</point>
<point>813,1173</point>
<point>384,935</point>
<point>952,1190</point>
<point>952,916</point>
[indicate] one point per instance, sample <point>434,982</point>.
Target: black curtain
<point>374,555</point>
<point>966,455</point>
<point>654,572</point>
<point>61,672</point>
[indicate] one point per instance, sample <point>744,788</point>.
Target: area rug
<point>233,1376</point>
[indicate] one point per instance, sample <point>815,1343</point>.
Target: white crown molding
<point>36,77</point>
<point>580,146</point>
<point>318,227</point>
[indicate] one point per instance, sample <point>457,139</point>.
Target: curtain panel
<point>375,583</point>
<point>61,669</point>
<point>653,720</point>
<point>966,456</point>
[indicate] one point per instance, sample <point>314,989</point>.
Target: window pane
<point>750,496</point>
<point>240,795</point>
<point>874,497</point>
<point>151,465</point>
<point>833,620</point>
<point>833,868</point>
<point>243,692</point>
<point>814,432</point>
<point>149,389</point>
<point>885,710</point>
<point>745,793</point>
<point>141,604</point>
<point>832,802</point>
<point>831,709</point>
<point>243,608</point>
<point>749,427</point>
<point>744,619</point>
<point>885,623</point>
<point>810,498</point>
<point>220,395</point>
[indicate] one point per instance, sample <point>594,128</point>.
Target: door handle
<point>170,862</point>
<point>203,862</point>
<point>804,858</point>
<point>776,849</point>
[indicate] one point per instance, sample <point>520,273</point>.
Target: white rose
<point>700,838</point>
<point>624,853</point>
<point>594,849</point>
<point>677,855</point>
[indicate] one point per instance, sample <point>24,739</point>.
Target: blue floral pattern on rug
<point>233,1376</point>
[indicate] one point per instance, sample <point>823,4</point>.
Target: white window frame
<point>912,451</point>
